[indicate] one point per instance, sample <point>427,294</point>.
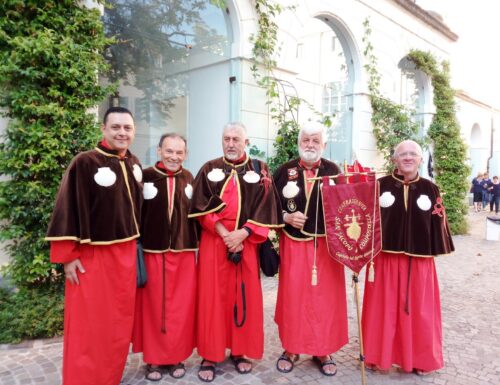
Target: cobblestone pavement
<point>470,297</point>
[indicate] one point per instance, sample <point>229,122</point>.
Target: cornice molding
<point>427,18</point>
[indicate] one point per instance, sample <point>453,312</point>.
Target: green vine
<point>393,123</point>
<point>450,151</point>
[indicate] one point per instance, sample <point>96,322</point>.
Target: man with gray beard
<point>310,281</point>
<point>235,203</point>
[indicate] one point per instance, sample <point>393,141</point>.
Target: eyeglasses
<point>408,154</point>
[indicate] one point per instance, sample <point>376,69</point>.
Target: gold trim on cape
<point>125,175</point>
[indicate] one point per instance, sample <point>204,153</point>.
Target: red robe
<point>95,219</point>
<point>164,328</point>
<point>236,194</point>
<point>401,317</point>
<point>217,280</point>
<point>177,342</point>
<point>311,319</point>
<point>392,336</point>
<point>99,312</point>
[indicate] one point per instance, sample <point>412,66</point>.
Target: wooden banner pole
<point>360,330</point>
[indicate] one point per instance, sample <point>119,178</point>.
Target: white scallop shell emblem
<point>105,177</point>
<point>386,199</point>
<point>149,191</point>
<point>137,173</point>
<point>424,203</point>
<point>188,190</point>
<point>290,190</point>
<point>251,177</point>
<point>216,175</point>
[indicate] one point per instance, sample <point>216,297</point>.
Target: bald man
<point>401,308</point>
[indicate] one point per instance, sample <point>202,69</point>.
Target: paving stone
<point>470,299</point>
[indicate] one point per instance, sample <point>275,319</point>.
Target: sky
<point>475,57</point>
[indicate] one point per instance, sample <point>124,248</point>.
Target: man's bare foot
<point>286,362</point>
<point>241,364</point>
<point>206,372</point>
<point>326,365</point>
<point>153,373</point>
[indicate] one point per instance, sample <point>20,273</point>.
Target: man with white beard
<point>311,310</point>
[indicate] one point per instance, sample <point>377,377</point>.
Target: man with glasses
<point>401,309</point>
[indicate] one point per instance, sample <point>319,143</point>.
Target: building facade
<point>186,67</point>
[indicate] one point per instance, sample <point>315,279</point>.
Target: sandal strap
<point>284,356</point>
<point>180,365</point>
<point>328,362</point>
<point>203,368</point>
<point>239,360</point>
<point>151,369</point>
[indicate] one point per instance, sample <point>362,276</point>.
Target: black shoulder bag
<point>269,258</point>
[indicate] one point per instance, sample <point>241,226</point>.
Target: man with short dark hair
<point>164,328</point>
<point>235,205</point>
<point>93,232</point>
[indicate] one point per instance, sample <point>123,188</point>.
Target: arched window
<point>412,94</point>
<point>169,60</point>
<point>325,80</point>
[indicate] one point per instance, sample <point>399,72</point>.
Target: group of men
<point>200,239</point>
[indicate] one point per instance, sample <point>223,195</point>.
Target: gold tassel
<point>371,272</point>
<point>314,278</point>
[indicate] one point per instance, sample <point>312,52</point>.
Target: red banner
<point>352,222</point>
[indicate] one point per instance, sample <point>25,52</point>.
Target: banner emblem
<point>352,222</point>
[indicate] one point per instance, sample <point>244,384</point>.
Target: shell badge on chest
<point>149,191</point>
<point>188,190</point>
<point>105,177</point>
<point>136,170</point>
<point>216,175</point>
<point>424,203</point>
<point>290,190</point>
<point>386,199</point>
<point>251,177</point>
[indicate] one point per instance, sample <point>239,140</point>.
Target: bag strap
<point>256,165</point>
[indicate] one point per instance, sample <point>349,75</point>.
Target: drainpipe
<point>491,145</point>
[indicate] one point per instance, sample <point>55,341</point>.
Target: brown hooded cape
<point>99,200</point>
<point>414,220</point>
<point>258,203</point>
<point>303,202</point>
<point>161,232</point>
